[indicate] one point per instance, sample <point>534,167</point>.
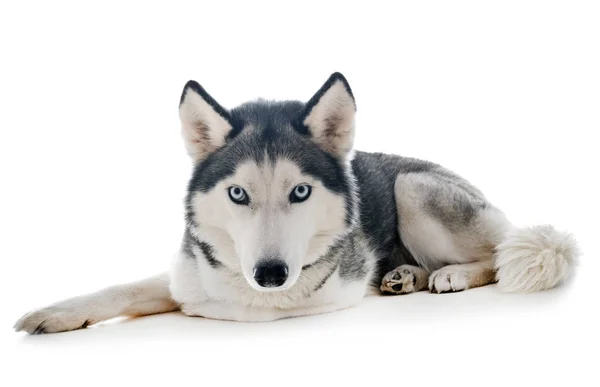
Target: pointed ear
<point>329,116</point>
<point>204,123</point>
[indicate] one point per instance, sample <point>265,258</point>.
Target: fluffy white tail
<point>535,258</point>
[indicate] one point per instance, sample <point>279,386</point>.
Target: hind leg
<point>405,279</point>
<point>449,227</point>
<point>455,278</point>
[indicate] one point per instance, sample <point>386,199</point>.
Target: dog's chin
<point>270,290</point>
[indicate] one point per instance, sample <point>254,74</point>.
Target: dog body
<point>284,219</point>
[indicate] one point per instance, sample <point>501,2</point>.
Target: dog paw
<point>51,320</point>
<point>403,280</point>
<point>448,279</point>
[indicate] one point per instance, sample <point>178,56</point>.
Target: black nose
<point>270,274</point>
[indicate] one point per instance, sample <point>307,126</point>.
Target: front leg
<point>148,296</point>
<point>226,311</point>
<point>236,312</point>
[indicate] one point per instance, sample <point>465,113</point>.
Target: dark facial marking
<point>300,193</point>
<point>207,250</point>
<point>324,280</point>
<point>208,253</point>
<point>238,195</point>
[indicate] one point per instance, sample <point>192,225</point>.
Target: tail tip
<point>535,258</point>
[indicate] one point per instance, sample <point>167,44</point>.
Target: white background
<point>93,175</point>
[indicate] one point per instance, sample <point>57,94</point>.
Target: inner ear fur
<point>204,123</point>
<point>329,116</point>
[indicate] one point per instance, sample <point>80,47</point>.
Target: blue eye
<point>238,195</point>
<point>300,193</point>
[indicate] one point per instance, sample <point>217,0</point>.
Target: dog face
<point>271,189</point>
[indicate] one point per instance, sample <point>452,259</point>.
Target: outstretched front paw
<point>50,320</point>
<point>404,279</point>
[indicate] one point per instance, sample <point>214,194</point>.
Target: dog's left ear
<point>329,117</point>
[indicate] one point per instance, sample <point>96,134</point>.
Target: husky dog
<point>284,219</point>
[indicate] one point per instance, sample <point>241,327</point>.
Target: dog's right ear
<point>205,124</point>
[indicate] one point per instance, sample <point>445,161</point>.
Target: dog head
<point>272,188</point>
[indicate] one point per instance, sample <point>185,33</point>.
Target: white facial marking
<point>289,216</point>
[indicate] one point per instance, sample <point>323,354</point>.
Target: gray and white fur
<point>284,219</point>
